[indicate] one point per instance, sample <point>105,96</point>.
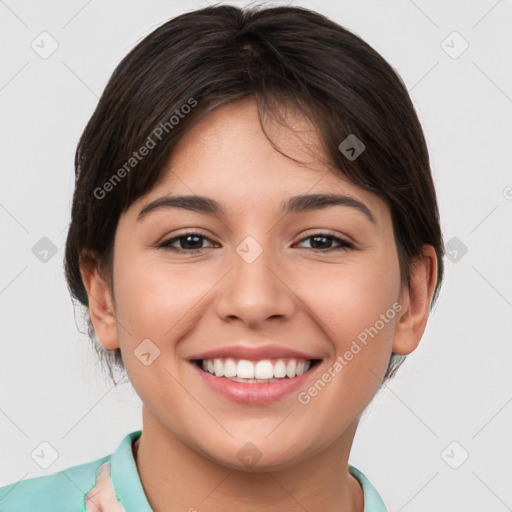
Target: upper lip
<point>254,353</point>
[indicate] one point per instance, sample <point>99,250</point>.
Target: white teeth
<point>280,369</point>
<point>229,368</point>
<point>243,370</point>
<point>218,367</point>
<point>291,367</point>
<point>263,370</point>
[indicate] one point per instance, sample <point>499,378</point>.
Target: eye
<point>190,242</point>
<point>193,242</point>
<point>322,240</point>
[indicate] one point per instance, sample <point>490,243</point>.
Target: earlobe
<point>101,306</point>
<point>416,302</point>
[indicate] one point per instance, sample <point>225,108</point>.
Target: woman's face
<point>269,280</point>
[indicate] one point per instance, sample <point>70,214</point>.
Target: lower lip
<point>255,393</point>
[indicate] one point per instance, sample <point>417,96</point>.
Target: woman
<point>256,236</point>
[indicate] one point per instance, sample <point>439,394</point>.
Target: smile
<point>255,382</point>
<point>263,371</point>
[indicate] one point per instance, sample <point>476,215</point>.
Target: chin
<point>257,457</point>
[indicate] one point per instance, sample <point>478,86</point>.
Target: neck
<point>177,478</point>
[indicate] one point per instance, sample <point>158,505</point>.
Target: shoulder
<point>372,499</point>
<point>63,491</point>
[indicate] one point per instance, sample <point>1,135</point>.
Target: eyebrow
<point>295,204</point>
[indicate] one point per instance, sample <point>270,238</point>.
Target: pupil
<point>186,241</point>
<point>315,238</point>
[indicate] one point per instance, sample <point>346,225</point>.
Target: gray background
<point>455,387</point>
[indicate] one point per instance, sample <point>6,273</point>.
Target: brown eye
<point>322,242</point>
<point>189,242</point>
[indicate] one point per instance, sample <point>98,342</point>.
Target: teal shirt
<point>109,484</point>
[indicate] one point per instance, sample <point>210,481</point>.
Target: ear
<point>101,304</point>
<point>416,300</point>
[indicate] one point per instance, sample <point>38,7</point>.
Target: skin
<point>292,295</point>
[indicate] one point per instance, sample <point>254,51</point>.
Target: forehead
<point>227,156</point>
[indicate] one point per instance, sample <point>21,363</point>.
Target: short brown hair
<point>217,54</point>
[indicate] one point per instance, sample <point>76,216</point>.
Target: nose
<point>255,291</point>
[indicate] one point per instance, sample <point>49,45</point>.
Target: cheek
<point>355,311</point>
<point>156,299</point>
<point>162,304</point>
<point>355,302</point>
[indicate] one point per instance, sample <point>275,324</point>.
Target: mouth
<point>254,375</point>
<point>263,371</point>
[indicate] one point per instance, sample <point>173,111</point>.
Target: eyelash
<point>344,245</point>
